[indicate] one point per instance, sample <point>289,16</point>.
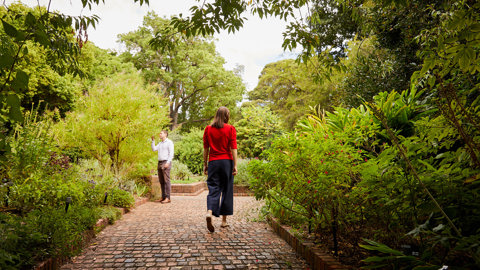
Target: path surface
<point>174,236</point>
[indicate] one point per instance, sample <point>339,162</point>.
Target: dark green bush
<point>120,198</point>
<point>49,232</point>
<point>20,243</point>
<point>189,150</point>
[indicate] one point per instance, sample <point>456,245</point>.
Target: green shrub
<point>180,172</point>
<point>141,189</point>
<point>20,243</point>
<point>41,234</point>
<point>189,150</point>
<point>120,198</point>
<point>243,176</point>
<point>255,130</point>
<point>112,213</point>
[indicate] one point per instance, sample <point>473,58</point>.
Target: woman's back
<point>220,141</point>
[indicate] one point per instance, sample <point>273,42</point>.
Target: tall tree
<point>189,73</point>
<point>114,121</point>
<point>289,88</point>
<point>54,35</point>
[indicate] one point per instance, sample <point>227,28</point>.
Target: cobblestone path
<point>175,236</point>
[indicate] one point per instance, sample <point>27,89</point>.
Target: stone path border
<point>316,258</point>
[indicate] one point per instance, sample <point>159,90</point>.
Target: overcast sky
<point>255,45</point>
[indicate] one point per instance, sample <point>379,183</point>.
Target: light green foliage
<point>308,173</point>
<point>112,213</point>
<point>180,172</point>
<point>288,88</point>
<point>98,64</point>
<point>36,40</point>
<point>190,73</point>
<point>114,121</point>
<point>33,159</point>
<point>141,189</point>
<point>256,129</point>
<point>120,198</point>
<point>243,176</point>
<point>189,150</point>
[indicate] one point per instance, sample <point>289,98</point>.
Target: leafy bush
<point>109,123</point>
<point>255,130</point>
<point>42,233</point>
<point>112,213</point>
<point>243,176</point>
<point>141,189</point>
<point>39,176</point>
<point>20,243</point>
<point>180,172</point>
<point>189,150</point>
<point>393,177</point>
<point>120,198</point>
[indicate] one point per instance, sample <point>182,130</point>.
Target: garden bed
<point>87,237</point>
<point>315,257</point>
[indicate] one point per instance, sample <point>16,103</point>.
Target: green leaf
<point>378,258</point>
<point>20,81</point>
<point>9,29</point>
<point>30,20</point>
<point>14,113</point>
<point>6,61</point>
<point>380,247</point>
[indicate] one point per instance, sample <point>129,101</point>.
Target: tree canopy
<point>190,74</point>
<point>113,121</point>
<point>288,89</point>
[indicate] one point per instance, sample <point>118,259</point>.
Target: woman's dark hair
<point>222,117</point>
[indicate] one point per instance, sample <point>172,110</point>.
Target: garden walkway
<point>174,236</point>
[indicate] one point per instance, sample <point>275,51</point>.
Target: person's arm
<point>154,147</point>
<point>206,152</point>
<point>234,155</point>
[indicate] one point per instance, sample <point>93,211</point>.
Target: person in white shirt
<point>165,156</point>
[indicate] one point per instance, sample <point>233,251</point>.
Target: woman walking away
<point>220,151</point>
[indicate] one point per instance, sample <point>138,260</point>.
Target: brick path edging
<point>193,189</point>
<point>317,259</point>
<point>87,237</point>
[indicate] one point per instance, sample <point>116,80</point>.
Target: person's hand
<point>235,171</point>
<point>166,165</point>
<point>205,169</point>
<point>153,138</point>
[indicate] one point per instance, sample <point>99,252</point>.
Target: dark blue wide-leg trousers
<point>220,187</point>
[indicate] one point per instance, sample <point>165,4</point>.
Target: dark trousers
<point>220,187</point>
<point>164,178</point>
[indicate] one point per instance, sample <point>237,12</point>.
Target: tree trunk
<point>174,119</point>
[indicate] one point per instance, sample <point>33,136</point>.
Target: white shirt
<point>165,150</point>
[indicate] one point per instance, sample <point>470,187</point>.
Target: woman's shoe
<point>209,223</point>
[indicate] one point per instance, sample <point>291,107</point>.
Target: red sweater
<point>220,141</point>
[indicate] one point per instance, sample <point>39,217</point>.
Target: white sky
<point>255,45</point>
